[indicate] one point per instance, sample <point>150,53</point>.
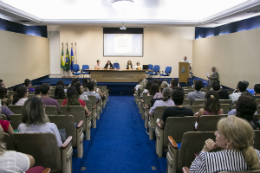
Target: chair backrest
<point>186,101</point>
<point>31,95</point>
<point>60,101</point>
<point>51,110</point>
<point>85,67</point>
<point>156,68</point>
<point>68,123</point>
<point>53,91</point>
<point>144,96</point>
<point>257,101</point>
<point>257,139</point>
<point>8,142</point>
<point>196,108</point>
<point>257,116</point>
<point>148,100</point>
<point>158,112</point>
<point>93,100</point>
<point>75,67</point>
<point>42,146</point>
<point>168,70</point>
<point>176,127</point>
<point>225,108</point>
<point>258,108</point>
<point>88,104</point>
<point>116,65</point>
<point>103,88</point>
<point>209,122</point>
<point>150,67</point>
<point>199,102</point>
<point>15,120</point>
<point>16,109</point>
<point>186,91</point>
<point>225,101</point>
<point>3,117</point>
<point>191,143</point>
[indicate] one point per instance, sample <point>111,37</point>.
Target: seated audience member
<point>159,82</point>
<point>97,90</point>
<point>166,101</point>
<point>34,119</point>
<point>154,91</point>
<point>193,84</point>
<point>73,99</point>
<point>155,81</point>
<point>129,65</point>
<point>98,66</point>
<point>147,87</point>
<point>138,85</point>
<point>80,90</point>
<point>74,81</point>
<point>6,127</point>
<point>59,92</point>
<point>38,92</point>
<point>174,83</point>
<point>5,110</point>
<point>60,82</point>
<point>47,101</point>
<point>235,137</point>
<point>163,85</point>
<point>28,85</point>
<point>257,91</point>
<point>138,66</point>
<point>2,84</point>
<point>197,94</point>
<point>85,82</point>
<point>212,105</point>
<point>223,94</point>
<point>20,96</point>
<point>178,110</point>
<point>109,65</point>
<point>241,87</point>
<point>91,91</point>
<point>12,161</point>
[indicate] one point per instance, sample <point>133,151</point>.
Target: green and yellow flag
<point>67,64</point>
<point>62,64</point>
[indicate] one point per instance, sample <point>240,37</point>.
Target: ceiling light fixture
<point>122,6</point>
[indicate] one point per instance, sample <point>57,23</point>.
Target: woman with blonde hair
<point>235,138</point>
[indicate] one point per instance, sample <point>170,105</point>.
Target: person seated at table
<point>59,92</point>
<point>109,65</point>
<point>235,137</point>
<point>138,66</point>
<point>98,66</point>
<point>20,96</point>
<point>38,92</point>
<point>129,65</point>
<point>28,85</point>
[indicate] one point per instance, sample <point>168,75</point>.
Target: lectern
<point>184,71</point>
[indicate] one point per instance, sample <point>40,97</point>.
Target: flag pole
<point>66,57</point>
<point>61,62</point>
<point>75,53</point>
<point>71,60</point>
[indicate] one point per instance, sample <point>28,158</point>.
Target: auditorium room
<point>129,86</point>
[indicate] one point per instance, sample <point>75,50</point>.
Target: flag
<point>63,60</point>
<point>71,59</point>
<point>67,64</point>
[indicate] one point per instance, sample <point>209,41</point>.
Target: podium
<point>184,72</point>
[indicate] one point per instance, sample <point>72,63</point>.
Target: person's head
<point>108,62</point>
<point>85,82</point>
<point>159,82</point>
<point>155,81</point>
<point>167,92</point>
<point>140,81</point>
<point>79,88</point>
<point>73,96</point>
<point>194,82</point>
<point>246,82</point>
<point>185,58</point>
<point>94,82</point>
<point>2,84</point>
<point>212,104</point>
<point>33,112</point>
<point>216,86</point>
<point>91,86</point>
<point>74,81</point>
<point>98,62</point>
<point>138,63</point>
<point>178,96</point>
<point>154,89</point>
<point>213,69</point>
<point>15,88</point>
<point>45,89</point>
<point>148,85</point>
<point>257,89</point>
<point>60,82</point>
<point>59,92</point>
<point>174,83</point>
<point>236,133</point>
<point>27,83</point>
<point>3,92</point>
<point>21,92</point>
<point>198,85</point>
<point>129,62</point>
<point>143,84</point>
<point>246,107</point>
<point>37,90</point>
<point>2,144</point>
<point>241,86</point>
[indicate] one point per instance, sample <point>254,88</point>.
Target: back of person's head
<point>155,81</point>
<point>246,82</point>
<point>159,82</point>
<point>73,96</point>
<point>241,86</point>
<point>179,88</point>
<point>45,88</point>
<point>178,96</point>
<point>194,82</point>
<point>15,88</point>
<point>91,86</point>
<point>154,89</point>
<point>167,92</point>
<point>257,88</point>
<point>2,144</point>
<point>27,82</point>
<point>2,83</point>
<point>85,82</point>
<point>241,134</point>
<point>60,82</point>
<point>212,104</point>
<point>77,86</point>
<point>140,81</point>
<point>163,85</point>
<point>216,86</point>
<point>20,93</point>
<point>246,107</point>
<point>74,81</point>
<point>59,92</point>
<point>198,85</point>
<point>174,83</point>
<point>148,85</point>
<point>37,90</point>
<point>33,112</point>
<point>3,92</point>
<point>143,84</point>
<point>94,82</point>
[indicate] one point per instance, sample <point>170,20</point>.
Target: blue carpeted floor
<point>119,144</point>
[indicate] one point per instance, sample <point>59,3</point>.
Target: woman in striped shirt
<point>235,138</point>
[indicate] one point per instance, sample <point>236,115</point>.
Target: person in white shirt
<point>98,66</point>
<point>241,87</point>
<point>185,59</point>
<point>20,96</point>
<point>138,66</point>
<point>12,161</point>
<point>92,91</point>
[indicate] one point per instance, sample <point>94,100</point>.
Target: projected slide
<point>123,44</point>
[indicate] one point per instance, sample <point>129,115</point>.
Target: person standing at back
<point>47,101</point>
<point>213,77</point>
<point>197,94</point>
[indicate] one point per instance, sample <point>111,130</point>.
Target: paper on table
<point>207,74</point>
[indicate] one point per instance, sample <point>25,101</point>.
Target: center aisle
<point>120,143</point>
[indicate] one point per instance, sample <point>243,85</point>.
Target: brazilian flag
<point>67,64</point>
<point>63,60</point>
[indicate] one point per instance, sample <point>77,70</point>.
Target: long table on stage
<point>117,75</point>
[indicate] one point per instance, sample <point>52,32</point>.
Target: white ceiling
<point>143,12</point>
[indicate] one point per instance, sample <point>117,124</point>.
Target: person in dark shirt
<point>223,94</point>
<point>257,91</point>
<point>178,110</point>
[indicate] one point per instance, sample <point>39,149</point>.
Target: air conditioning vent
<point>24,21</point>
<point>253,11</point>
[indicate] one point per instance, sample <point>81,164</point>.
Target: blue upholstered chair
<point>168,71</point>
<point>84,67</point>
<point>116,65</point>
<point>156,70</point>
<point>75,70</point>
<point>150,67</point>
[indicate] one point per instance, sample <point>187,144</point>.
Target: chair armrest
<point>173,143</point>
<point>88,115</point>
<point>151,115</point>
<point>94,107</point>
<point>159,125</point>
<point>185,170</point>
<point>66,143</point>
<point>146,106</point>
<point>79,125</point>
<point>47,170</point>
